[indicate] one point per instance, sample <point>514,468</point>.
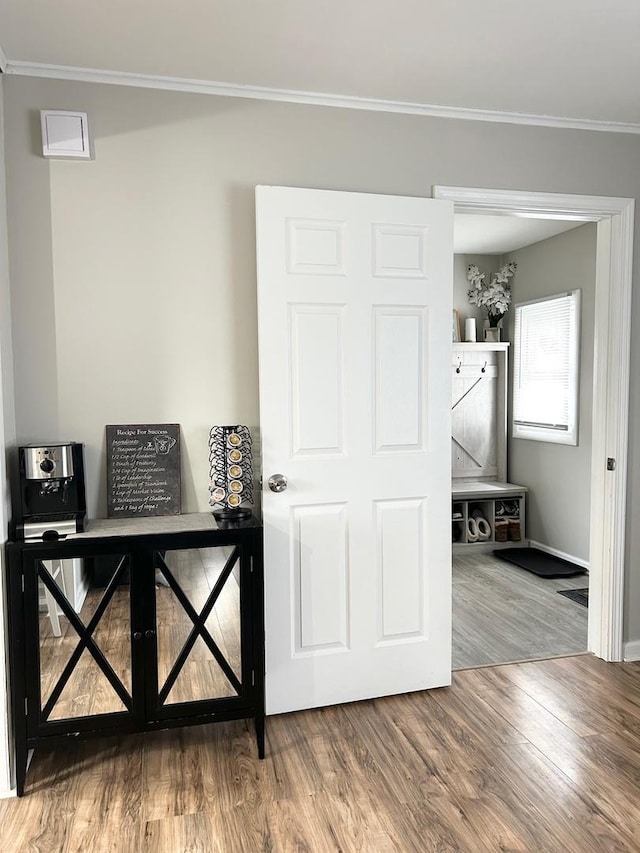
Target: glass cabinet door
<point>83,637</point>
<point>198,626</point>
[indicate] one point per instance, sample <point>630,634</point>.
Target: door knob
<point>277,482</point>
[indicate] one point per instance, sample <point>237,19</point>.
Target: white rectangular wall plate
<point>65,134</point>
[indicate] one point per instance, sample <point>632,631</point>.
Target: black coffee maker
<point>51,503</point>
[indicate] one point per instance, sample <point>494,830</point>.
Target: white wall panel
<point>399,381</point>
<point>321,574</point>
<point>317,379</point>
<point>401,562</point>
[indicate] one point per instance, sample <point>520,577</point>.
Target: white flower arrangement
<point>494,297</point>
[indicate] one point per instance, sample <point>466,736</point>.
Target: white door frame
<point>611,369</point>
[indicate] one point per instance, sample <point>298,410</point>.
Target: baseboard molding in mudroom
<point>631,650</point>
<point>561,554</point>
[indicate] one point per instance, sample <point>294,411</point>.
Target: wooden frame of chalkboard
<point>143,470</point>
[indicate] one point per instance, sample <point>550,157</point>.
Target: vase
<point>492,335</point>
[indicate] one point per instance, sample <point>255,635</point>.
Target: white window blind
<point>545,377</point>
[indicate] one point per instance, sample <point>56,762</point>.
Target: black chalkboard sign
<point>143,470</point>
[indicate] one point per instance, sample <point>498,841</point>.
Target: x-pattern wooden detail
<point>473,415</point>
<point>199,624</point>
<point>463,441</point>
<point>85,634</point>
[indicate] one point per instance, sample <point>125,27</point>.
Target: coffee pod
<point>233,500</point>
<point>234,472</point>
<point>235,486</point>
<point>233,439</point>
<point>218,495</point>
<point>234,456</point>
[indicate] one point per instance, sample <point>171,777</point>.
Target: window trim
<point>554,435</point>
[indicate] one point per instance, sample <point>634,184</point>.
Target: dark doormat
<point>579,595</point>
<point>539,562</point>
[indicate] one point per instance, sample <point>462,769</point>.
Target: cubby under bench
<point>502,505</point>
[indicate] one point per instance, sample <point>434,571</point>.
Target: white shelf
<point>501,504</point>
<point>465,489</point>
<point>479,446</point>
<point>490,346</point>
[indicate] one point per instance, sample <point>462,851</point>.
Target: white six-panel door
<point>355,296</point>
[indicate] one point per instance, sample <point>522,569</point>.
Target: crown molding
<point>3,60</point>
<point>293,96</point>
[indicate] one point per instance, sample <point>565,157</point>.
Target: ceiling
<point>479,234</point>
<point>570,59</point>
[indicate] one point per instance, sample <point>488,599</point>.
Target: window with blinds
<point>546,369</point>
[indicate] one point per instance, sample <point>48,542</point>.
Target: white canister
<point>470,330</point>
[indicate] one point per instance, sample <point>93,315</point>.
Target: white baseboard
<point>631,650</point>
<point>460,548</point>
<point>561,554</point>
<point>6,793</point>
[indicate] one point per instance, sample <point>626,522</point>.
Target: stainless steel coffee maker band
<point>48,463</point>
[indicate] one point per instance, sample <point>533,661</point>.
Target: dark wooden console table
<point>133,625</point>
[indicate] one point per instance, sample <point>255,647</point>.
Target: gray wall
<point>7,438</point>
<point>487,264</point>
<point>134,275</point>
<point>559,475</point>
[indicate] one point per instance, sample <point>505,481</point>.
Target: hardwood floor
<point>540,756</point>
<point>502,613</point>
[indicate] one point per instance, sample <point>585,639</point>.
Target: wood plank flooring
<point>502,613</point>
<point>540,756</point>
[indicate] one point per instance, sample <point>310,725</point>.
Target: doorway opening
<point>612,221</point>
<point>520,506</point>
